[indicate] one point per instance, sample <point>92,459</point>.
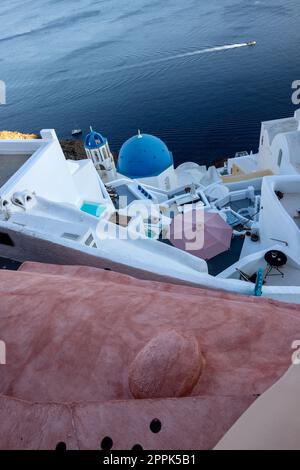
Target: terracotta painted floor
<point>71,334</point>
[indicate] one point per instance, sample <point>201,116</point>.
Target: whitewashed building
<point>278,153</point>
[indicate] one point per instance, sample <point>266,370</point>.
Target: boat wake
<point>182,55</point>
<point>205,51</point>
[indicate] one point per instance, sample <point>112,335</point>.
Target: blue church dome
<point>94,140</point>
<point>144,156</point>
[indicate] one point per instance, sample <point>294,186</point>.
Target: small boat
<point>251,43</point>
<point>76,132</point>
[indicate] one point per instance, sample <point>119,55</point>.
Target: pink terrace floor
<point>71,334</point>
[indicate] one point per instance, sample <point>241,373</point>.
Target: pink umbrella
<point>203,234</point>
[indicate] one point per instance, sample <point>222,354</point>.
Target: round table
<point>275,260</point>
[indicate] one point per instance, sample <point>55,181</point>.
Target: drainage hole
<point>106,443</point>
<point>61,446</point>
<point>155,426</point>
<point>137,448</point>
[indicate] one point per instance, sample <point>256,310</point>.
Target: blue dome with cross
<point>94,140</point>
<point>144,156</point>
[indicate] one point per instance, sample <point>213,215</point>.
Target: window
<point>70,236</point>
<point>5,239</point>
<point>262,140</point>
<point>89,240</point>
<point>279,158</point>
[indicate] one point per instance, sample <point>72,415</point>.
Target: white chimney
<point>297,117</point>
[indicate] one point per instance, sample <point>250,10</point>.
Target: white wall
<point>279,145</point>
<point>274,221</point>
<point>269,151</point>
<point>87,182</point>
<point>46,172</point>
<point>160,180</point>
<point>264,157</point>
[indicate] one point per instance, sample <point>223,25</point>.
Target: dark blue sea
<point>137,64</point>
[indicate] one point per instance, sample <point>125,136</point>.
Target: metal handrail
<point>281,241</point>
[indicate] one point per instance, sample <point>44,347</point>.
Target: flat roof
<point>279,126</point>
<point>10,163</point>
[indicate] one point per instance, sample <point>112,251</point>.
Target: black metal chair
<point>247,277</point>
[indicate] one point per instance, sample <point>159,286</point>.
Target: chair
<point>246,277</point>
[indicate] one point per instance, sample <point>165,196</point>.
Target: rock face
<point>168,366</point>
<point>73,149</point>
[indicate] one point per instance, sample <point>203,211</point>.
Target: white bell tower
<point>97,149</point>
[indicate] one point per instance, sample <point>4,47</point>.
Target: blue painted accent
<point>93,208</point>
<point>150,234</point>
<point>144,156</point>
<point>94,140</point>
<point>144,192</point>
<point>259,283</point>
